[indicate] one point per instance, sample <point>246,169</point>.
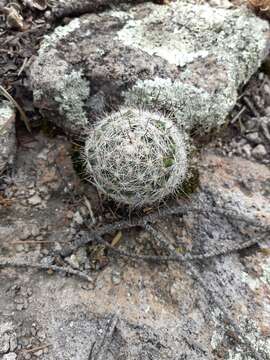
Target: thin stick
<point>89,207</point>
<point>178,257</point>
<point>36,348</point>
<point>22,264</point>
<point>151,218</point>
<point>236,117</point>
<point>38,242</point>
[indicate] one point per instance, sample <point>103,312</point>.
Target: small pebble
<point>25,233</point>
<point>259,152</point>
<point>254,138</point>
<point>78,218</point>
<point>116,277</point>
<point>73,261</point>
<point>247,150</point>
<point>35,200</point>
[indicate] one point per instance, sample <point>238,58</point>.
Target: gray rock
<point>164,314</point>
<point>247,150</point>
<point>13,342</point>
<point>254,138</point>
<point>259,152</point>
<point>7,135</point>
<point>148,56</point>
<point>73,261</point>
<point>77,218</point>
<point>4,343</point>
<point>35,200</point>
<point>10,356</point>
<point>7,336</point>
<point>75,7</point>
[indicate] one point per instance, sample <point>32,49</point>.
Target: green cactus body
<point>136,157</point>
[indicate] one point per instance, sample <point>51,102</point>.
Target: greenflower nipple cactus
<point>136,157</point>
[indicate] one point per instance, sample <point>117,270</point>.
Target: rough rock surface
<point>133,310</point>
<point>76,7</point>
<point>7,135</point>
<point>183,58</point>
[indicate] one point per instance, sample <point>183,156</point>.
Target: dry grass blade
<point>25,119</point>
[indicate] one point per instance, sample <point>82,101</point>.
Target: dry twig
<point>14,102</point>
<point>150,219</point>
<point>13,262</point>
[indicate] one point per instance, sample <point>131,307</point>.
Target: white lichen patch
<point>122,15</point>
<point>6,126</point>
<point>50,41</point>
<point>183,32</point>
<point>67,87</point>
<point>6,111</point>
<point>72,91</point>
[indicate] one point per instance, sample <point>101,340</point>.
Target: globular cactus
<point>136,157</point>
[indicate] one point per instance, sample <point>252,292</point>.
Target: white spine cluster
<point>136,157</point>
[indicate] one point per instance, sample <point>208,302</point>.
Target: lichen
<point>182,32</point>
<point>50,41</point>
<point>67,89</point>
<point>258,343</point>
<point>6,111</point>
<point>190,105</point>
<point>72,91</point>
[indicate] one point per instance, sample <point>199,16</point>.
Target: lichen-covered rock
<point>136,157</point>
<point>7,135</point>
<point>183,58</point>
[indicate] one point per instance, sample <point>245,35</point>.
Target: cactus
<point>136,157</point>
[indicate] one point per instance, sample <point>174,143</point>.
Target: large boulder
<point>183,58</point>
